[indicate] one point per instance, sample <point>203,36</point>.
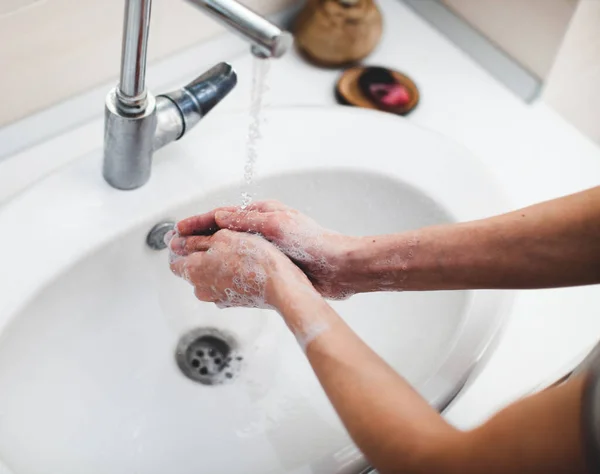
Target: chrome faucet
<point>137,123</point>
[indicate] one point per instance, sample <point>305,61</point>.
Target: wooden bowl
<point>348,91</point>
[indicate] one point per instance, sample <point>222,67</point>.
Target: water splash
<point>260,72</point>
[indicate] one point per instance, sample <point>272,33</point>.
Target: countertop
<point>534,154</point>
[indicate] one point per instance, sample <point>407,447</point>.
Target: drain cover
<point>156,237</point>
<point>208,356</point>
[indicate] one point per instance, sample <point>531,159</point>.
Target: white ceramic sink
<point>90,317</point>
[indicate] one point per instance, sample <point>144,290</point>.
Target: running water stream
<point>260,72</point>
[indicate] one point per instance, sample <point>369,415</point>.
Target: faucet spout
<point>267,39</point>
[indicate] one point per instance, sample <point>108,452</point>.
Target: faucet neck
<point>131,91</point>
<point>136,123</point>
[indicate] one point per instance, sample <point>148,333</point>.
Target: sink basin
<point>90,317</point>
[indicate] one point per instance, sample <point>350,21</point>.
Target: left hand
<point>323,255</point>
<point>235,269</point>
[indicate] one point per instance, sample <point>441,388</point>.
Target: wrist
<point>352,263</point>
<point>346,260</point>
<point>303,310</point>
<point>379,263</point>
<point>287,285</point>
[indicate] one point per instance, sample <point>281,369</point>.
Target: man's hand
<point>319,252</point>
<point>235,269</point>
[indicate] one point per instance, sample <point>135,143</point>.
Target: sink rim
<point>117,212</point>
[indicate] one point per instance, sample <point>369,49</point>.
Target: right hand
<point>320,253</point>
<point>236,269</point>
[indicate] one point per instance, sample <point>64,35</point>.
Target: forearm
<point>551,244</point>
<point>399,432</point>
<point>377,406</point>
<point>540,434</point>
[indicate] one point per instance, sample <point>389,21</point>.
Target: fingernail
<point>177,244</point>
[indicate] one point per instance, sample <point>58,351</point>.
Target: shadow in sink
<point>88,371</point>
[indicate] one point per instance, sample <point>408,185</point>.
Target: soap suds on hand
<point>308,332</point>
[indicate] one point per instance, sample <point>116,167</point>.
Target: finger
<point>270,205</point>
<point>202,223</point>
<point>191,267</point>
<point>242,221</point>
<point>204,295</point>
<point>191,244</point>
<point>169,236</point>
<point>179,267</point>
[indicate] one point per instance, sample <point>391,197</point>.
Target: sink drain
<point>208,356</point>
<point>156,237</point>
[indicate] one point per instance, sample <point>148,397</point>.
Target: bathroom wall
<point>52,49</point>
<point>530,31</point>
<point>573,85</point>
<point>556,40</point>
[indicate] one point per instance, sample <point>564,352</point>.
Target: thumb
<point>242,221</point>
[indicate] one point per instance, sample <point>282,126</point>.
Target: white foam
<point>307,333</point>
<point>249,283</point>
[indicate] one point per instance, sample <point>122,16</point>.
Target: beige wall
<point>557,40</point>
<point>52,49</point>
<point>529,30</point>
<point>573,85</point>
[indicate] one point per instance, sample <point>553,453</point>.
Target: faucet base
<point>130,136</point>
<point>128,144</point>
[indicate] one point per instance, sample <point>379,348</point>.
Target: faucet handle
<point>206,91</point>
<point>178,111</point>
